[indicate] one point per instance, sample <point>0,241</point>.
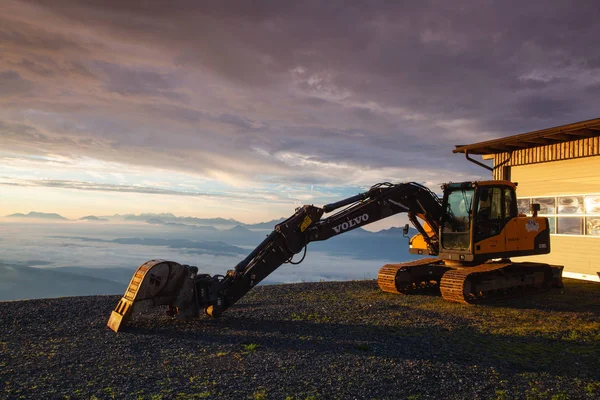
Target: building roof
<point>558,134</point>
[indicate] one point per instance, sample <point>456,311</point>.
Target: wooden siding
<point>586,147</point>
<point>576,176</point>
<point>578,254</point>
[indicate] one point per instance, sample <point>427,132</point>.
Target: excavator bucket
<point>155,283</point>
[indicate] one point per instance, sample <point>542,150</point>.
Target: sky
<point>247,110</point>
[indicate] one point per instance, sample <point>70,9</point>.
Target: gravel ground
<point>327,340</point>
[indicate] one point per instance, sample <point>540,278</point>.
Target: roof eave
<point>558,134</point>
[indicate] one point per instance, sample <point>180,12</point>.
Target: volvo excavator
<point>470,234</point>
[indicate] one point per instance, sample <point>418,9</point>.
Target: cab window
<point>457,222</point>
<point>491,211</point>
<point>510,204</point>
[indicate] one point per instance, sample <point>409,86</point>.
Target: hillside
<point>309,341</point>
<point>23,282</point>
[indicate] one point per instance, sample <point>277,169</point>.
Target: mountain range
<point>157,219</point>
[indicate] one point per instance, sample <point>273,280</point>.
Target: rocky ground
<point>345,340</point>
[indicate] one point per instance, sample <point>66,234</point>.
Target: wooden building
<point>558,168</point>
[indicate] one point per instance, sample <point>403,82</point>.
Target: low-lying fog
<point>64,258</point>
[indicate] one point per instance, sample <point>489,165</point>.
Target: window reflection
<point>523,205</point>
<point>570,226</point>
<point>547,204</point>
<point>592,204</point>
<point>570,205</point>
<point>562,212</point>
<point>552,224</point>
<point>592,226</point>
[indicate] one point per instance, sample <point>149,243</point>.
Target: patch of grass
<point>592,388</point>
<point>186,396</point>
<point>110,391</point>
<point>535,393</point>
<point>260,395</point>
<point>501,394</point>
<point>313,317</point>
<point>250,347</point>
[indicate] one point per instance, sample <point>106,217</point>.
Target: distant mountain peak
<point>92,218</point>
<point>239,228</point>
<point>41,215</point>
<point>394,230</point>
<point>161,215</point>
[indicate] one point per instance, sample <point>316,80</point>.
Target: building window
<point>547,205</point>
<point>569,226</point>
<point>523,205</point>
<point>567,215</point>
<point>570,205</point>
<point>592,208</point>
<point>592,226</point>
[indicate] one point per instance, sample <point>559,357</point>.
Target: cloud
<point>544,108</point>
<point>136,82</point>
<point>12,83</point>
<point>284,196</point>
<point>333,94</point>
<point>102,187</point>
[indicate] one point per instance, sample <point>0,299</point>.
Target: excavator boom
<point>188,294</point>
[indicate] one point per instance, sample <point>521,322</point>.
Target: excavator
<point>470,234</point>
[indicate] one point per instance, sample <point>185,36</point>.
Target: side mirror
<point>405,231</point>
<point>534,208</point>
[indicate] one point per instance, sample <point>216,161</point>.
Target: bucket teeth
<point>120,315</point>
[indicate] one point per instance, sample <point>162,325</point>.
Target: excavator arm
<point>189,294</point>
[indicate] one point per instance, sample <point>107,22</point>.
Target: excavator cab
<point>481,222</point>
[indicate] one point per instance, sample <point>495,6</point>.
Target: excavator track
<point>411,277</point>
<point>474,284</point>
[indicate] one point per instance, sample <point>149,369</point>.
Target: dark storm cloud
<point>278,89</point>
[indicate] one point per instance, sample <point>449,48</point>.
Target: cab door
<point>514,229</point>
<point>491,219</point>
